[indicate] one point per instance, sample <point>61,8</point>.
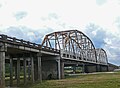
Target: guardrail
<point>13,40</point>
<point>21,42</point>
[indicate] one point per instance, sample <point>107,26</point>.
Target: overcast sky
<point>32,19</point>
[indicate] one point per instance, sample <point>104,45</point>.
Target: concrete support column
<point>29,71</point>
<point>97,68</point>
<point>83,68</point>
<point>39,67</point>
<point>86,69</point>
<point>32,69</point>
<point>62,69</point>
<point>15,70</point>
<point>100,68</point>
<point>74,69</point>
<point>18,71</point>
<point>25,72</point>
<point>107,67</point>
<point>11,71</point>
<point>2,67</point>
<point>58,65</point>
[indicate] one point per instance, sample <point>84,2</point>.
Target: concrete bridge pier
<point>49,69</point>
<point>83,68</point>
<point>39,67</point>
<point>29,69</point>
<point>3,49</point>
<point>24,61</point>
<point>74,69</point>
<point>15,64</point>
<point>104,68</point>
<point>18,72</point>
<point>32,69</point>
<point>59,68</point>
<point>101,68</point>
<point>86,69</point>
<point>98,68</point>
<point>62,70</point>
<point>89,68</point>
<point>15,69</point>
<point>35,69</point>
<point>52,67</point>
<point>11,71</point>
<point>25,70</point>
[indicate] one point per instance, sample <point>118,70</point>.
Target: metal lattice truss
<point>101,56</point>
<point>72,44</point>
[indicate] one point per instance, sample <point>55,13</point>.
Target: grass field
<point>100,80</point>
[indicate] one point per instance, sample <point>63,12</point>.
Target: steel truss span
<point>76,45</point>
<point>101,56</point>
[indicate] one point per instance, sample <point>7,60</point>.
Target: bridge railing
<point>13,40</point>
<point>50,49</point>
<point>80,57</point>
<point>21,42</point>
<point>71,55</point>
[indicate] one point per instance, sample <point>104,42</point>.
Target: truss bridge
<point>48,60</point>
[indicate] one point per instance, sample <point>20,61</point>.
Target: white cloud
<point>76,13</point>
<point>101,2</point>
<point>20,15</point>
